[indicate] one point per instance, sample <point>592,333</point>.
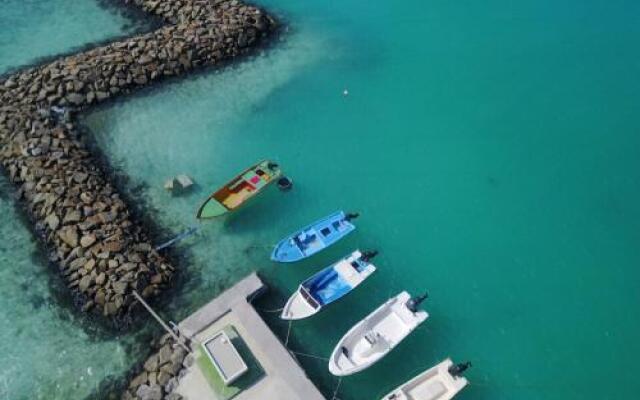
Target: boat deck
<point>279,376</point>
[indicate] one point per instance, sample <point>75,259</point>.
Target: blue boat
<point>313,238</point>
<point>329,285</point>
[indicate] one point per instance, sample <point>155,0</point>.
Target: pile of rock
<point>80,216</point>
<point>87,78</point>
<point>84,222</point>
<point>160,373</point>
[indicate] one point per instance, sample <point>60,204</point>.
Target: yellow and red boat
<point>240,189</point>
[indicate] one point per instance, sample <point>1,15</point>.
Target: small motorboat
<point>375,336</point>
<point>240,189</point>
<point>329,285</point>
<point>441,382</point>
<point>314,237</point>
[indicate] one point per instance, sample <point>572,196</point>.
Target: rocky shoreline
<point>159,376</point>
<point>101,251</point>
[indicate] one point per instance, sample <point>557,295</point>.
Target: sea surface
<point>491,148</point>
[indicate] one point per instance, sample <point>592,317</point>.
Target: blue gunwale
<point>327,286</point>
<point>313,238</point>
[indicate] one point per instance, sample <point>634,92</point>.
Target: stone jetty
<point>101,250</point>
<point>158,377</point>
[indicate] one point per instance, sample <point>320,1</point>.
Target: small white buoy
<point>345,93</point>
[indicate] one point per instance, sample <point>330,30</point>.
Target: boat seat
<point>371,337</point>
<point>377,343</point>
<point>432,391</point>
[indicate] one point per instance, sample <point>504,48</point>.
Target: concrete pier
<point>282,377</point>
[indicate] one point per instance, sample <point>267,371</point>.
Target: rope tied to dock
<point>277,310</point>
<point>335,393</point>
<point>286,342</point>
<point>309,355</point>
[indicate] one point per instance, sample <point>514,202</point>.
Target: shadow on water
<point>259,213</point>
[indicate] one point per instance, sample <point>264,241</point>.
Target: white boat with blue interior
<point>329,285</point>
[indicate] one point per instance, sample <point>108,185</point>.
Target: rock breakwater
<point>102,252</point>
<point>159,376</point>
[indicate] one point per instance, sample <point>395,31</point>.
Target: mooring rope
<point>286,342</point>
<point>309,355</point>
<point>298,353</point>
<point>271,311</point>
<point>178,238</point>
<point>335,393</point>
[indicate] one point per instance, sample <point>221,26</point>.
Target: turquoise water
<point>47,350</point>
<point>33,29</point>
<point>491,149</point>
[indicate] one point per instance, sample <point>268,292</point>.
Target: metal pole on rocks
<point>166,327</point>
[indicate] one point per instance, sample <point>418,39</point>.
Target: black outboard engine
<point>368,255</point>
<point>458,369</point>
<point>272,165</point>
<point>350,216</point>
<point>285,183</point>
<point>414,302</point>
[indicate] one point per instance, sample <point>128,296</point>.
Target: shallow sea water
<point>35,29</point>
<point>47,350</point>
<point>491,149</point>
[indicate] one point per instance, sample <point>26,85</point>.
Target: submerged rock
<point>179,185</point>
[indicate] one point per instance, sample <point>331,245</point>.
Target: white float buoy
<point>345,93</point>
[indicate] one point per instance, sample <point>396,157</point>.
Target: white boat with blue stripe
<point>314,237</point>
<point>329,285</point>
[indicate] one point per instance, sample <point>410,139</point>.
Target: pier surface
<point>282,379</point>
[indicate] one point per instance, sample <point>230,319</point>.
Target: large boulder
<point>146,392</point>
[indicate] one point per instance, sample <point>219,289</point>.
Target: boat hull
<point>313,238</point>
<point>327,286</point>
<point>240,190</point>
<point>298,308</point>
<point>436,383</point>
<point>375,336</point>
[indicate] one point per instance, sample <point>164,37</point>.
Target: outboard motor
<point>272,165</point>
<point>368,255</point>
<point>350,216</point>
<point>285,184</point>
<point>414,302</point>
<point>458,369</point>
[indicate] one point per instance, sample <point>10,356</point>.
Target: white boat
<point>329,285</point>
<point>376,335</point>
<point>441,382</point>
